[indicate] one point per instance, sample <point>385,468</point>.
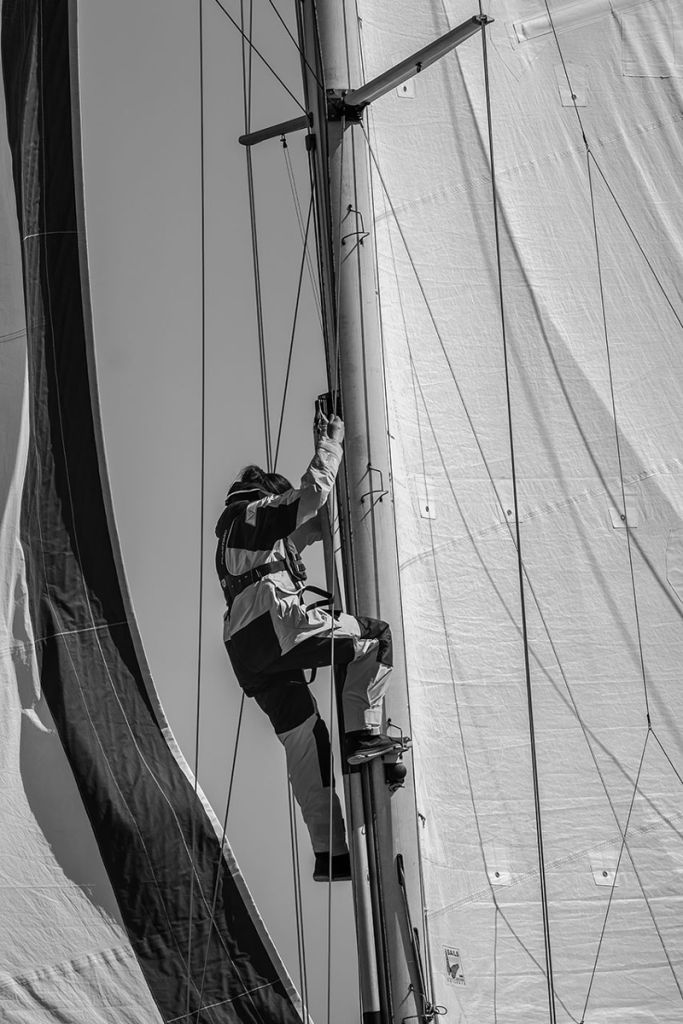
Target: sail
<point>119,902</point>
<point>529,233</point>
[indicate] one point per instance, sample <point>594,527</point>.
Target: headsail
<point>186,934</point>
<point>552,856</point>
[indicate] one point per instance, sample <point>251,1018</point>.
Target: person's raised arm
<point>279,515</point>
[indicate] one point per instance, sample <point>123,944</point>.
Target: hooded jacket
<point>267,618</point>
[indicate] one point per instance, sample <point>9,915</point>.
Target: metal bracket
<point>339,109</point>
<point>359,235</point>
<point>381,491</point>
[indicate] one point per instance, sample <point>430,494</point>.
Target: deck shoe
<point>341,867</point>
<point>364,745</point>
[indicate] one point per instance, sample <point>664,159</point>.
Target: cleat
<point>365,746</point>
<point>341,867</point>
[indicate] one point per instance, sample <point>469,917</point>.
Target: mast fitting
<point>339,109</point>
<point>381,491</point>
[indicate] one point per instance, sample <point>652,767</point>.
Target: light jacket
<point>267,619</point>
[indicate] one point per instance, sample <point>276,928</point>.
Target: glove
<point>319,427</point>
<point>335,428</point>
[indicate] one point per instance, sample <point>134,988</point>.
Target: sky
<point>176,437</point>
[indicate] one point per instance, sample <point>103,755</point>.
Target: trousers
<point>361,644</point>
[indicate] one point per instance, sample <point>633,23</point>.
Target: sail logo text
<point>454,971</point>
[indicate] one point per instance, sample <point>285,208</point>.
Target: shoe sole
<point>370,755</point>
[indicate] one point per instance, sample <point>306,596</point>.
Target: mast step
<point>367,748</point>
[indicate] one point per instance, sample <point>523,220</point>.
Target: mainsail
<point>174,930</point>
<point>529,234</point>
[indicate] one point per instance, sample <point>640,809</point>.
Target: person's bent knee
<point>379,630</point>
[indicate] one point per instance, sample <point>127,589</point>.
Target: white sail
<point>585,102</point>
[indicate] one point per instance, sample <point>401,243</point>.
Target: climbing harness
<point>234,585</point>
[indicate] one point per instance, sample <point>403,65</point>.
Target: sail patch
<point>454,972</point>
<point>652,40</point>
<point>571,84</point>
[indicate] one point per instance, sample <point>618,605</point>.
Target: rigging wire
<point>298,903</point>
<point>293,332</point>
<point>253,49</point>
<point>201,489</point>
<point>618,442</point>
<point>246,85</point>
<point>525,571</point>
<point>602,174</point>
<point>300,220</point>
<point>270,461</point>
<point>220,859</point>
<point>590,157</point>
<point>546,628</point>
<point>372,171</point>
<point>330,805</point>
<point>296,43</point>
<point>520,563</point>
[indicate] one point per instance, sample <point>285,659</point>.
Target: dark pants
<point>284,696</point>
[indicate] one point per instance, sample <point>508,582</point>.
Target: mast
<point>389,979</point>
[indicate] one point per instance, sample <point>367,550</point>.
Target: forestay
<point>557,899</point>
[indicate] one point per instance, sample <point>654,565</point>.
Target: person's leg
<point>294,716</point>
<point>363,645</point>
<point>366,674</point>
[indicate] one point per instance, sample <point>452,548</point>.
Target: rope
<point>617,441</point>
<point>331,714</point>
<point>584,729</point>
<point>219,862</point>
<point>372,171</point>
<point>600,171</point>
<point>270,461</point>
<point>293,332</point>
<point>300,221</point>
<point>253,49</point>
<point>590,158</point>
<point>520,564</point>
<point>298,903</point>
<point>616,873</point>
<point>202,488</point>
<point>246,85</point>
<point>636,239</point>
<point>526,576</point>
<point>473,801</point>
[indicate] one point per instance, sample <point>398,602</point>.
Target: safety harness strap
<point>234,585</point>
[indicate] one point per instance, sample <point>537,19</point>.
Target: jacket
<point>268,618</point>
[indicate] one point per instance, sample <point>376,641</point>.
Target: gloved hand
<point>324,427</point>
<point>319,426</point>
<point>335,428</point>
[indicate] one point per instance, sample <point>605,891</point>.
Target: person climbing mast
<point>271,637</point>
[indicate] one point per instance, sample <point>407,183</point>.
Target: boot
<point>364,745</point>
